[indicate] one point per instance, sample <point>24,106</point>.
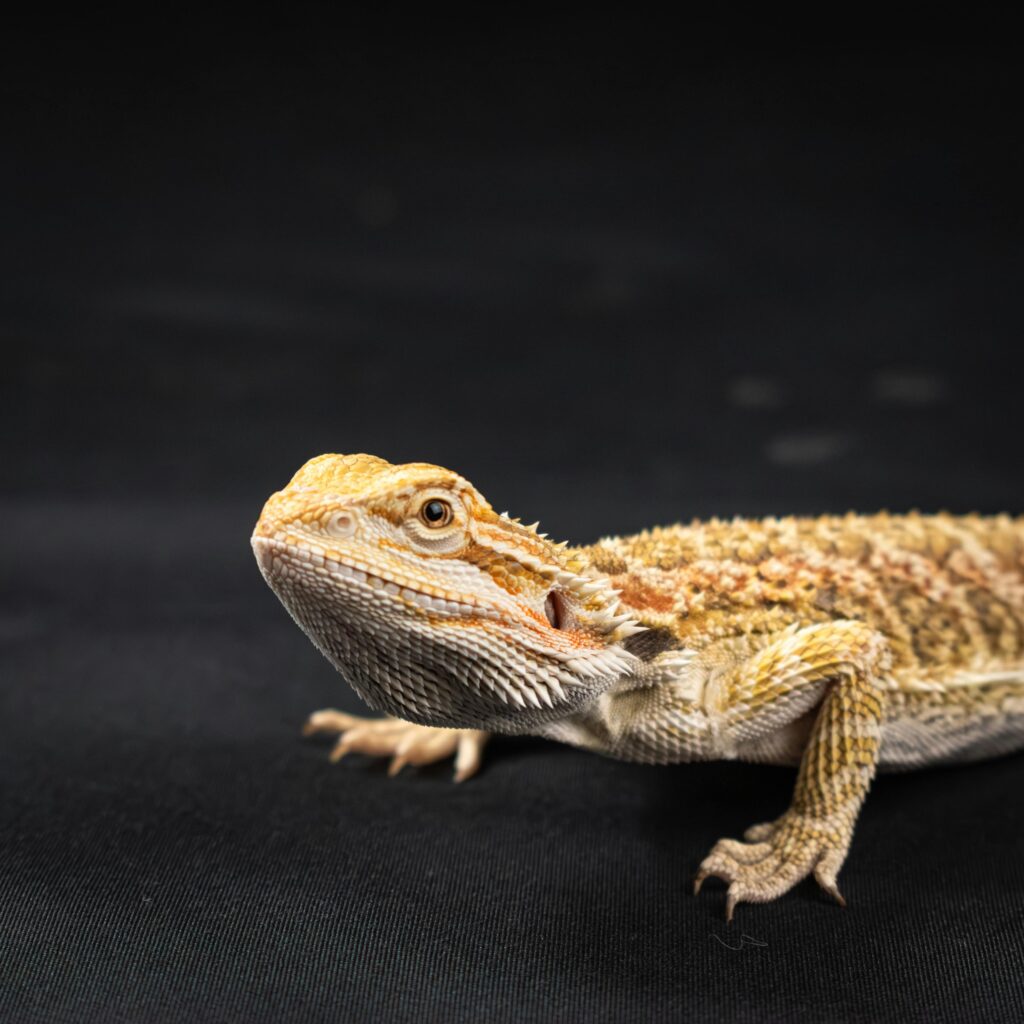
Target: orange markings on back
<point>642,595</point>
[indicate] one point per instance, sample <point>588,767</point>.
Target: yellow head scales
<point>404,575</point>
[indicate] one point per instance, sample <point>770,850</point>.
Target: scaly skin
<point>840,644</point>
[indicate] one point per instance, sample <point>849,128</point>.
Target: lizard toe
<point>759,833</point>
<point>404,742</point>
<point>328,721</point>
<point>740,853</point>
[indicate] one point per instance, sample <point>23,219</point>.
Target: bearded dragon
<point>838,644</point>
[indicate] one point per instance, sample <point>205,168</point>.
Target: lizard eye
<point>436,513</point>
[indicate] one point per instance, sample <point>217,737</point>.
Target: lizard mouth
<point>278,558</point>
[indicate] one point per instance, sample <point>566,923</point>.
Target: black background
<point>613,287</point>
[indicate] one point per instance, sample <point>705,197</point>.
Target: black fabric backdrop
<point>612,293</point>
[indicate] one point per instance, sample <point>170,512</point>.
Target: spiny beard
<point>501,687</point>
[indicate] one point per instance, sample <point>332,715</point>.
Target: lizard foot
<point>777,856</point>
<point>404,742</point>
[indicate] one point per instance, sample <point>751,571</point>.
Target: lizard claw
<point>732,897</point>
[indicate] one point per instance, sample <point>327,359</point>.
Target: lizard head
<point>437,609</point>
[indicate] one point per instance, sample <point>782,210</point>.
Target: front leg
<point>404,742</point>
<point>844,660</point>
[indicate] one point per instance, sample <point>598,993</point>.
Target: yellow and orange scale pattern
<point>915,622</point>
<point>946,591</point>
<point>820,640</point>
<point>523,562</point>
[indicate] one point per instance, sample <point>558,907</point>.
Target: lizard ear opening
<point>554,609</point>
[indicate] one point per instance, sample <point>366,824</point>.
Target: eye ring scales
<point>341,524</point>
<point>436,513</point>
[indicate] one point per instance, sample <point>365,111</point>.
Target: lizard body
<point>841,644</point>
